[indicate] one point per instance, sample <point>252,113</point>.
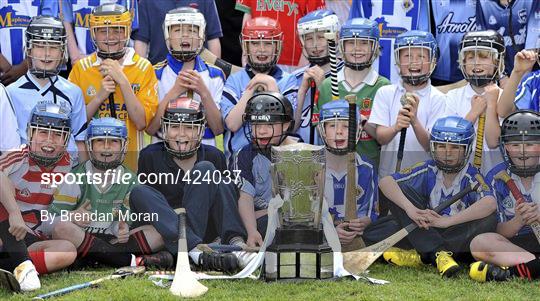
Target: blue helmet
<point>452,130</point>
<point>103,128</point>
<point>359,29</point>
<point>333,111</point>
<point>322,20</point>
<point>53,119</point>
<point>416,39</point>
<point>521,127</point>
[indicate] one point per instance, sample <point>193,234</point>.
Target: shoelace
<point>443,259</point>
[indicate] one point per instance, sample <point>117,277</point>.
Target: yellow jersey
<point>142,78</point>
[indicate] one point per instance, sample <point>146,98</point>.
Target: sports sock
<point>137,244</point>
<point>528,270</point>
<point>194,254</point>
<point>103,251</point>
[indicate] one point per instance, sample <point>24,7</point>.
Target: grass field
<point>406,284</point>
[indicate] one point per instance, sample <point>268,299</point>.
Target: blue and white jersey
<point>453,18</point>
<point>15,16</point>
<point>255,174</point>
<point>79,13</point>
<point>427,180</point>
<point>335,188</point>
<point>528,92</point>
<point>235,87</point>
<point>394,17</point>
<point>533,27</point>
<point>213,77</point>
<point>506,203</point>
<point>305,122</point>
<point>490,14</point>
<point>25,93</point>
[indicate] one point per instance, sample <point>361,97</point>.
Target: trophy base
<point>298,253</point>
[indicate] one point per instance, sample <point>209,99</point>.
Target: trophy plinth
<point>299,249</point>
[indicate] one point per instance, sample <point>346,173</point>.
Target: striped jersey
<point>31,192</point>
<point>106,200</point>
<point>506,202</point>
<point>142,78</point>
<point>394,17</point>
<point>427,180</point>
<point>335,190</point>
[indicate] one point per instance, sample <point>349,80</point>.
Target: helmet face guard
<point>45,46</point>
<point>48,131</point>
<point>451,143</point>
<point>359,42</point>
<point>110,29</point>
<point>450,157</point>
<point>311,30</point>
<point>261,41</point>
<point>183,125</point>
<point>106,132</point>
<point>185,31</point>
<point>264,112</point>
<point>415,80</point>
<point>520,142</point>
<point>496,65</point>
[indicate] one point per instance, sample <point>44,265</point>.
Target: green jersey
<point>106,204</point>
<point>365,93</point>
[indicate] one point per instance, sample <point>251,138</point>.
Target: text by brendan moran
<point>74,216</point>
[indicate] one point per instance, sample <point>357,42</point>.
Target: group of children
<point>184,102</point>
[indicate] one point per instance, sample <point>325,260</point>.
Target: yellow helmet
<point>110,16</point>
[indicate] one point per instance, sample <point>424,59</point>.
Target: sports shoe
<point>482,272</point>
<point>27,276</point>
<point>160,260</point>
<point>402,258</point>
<point>221,262</point>
<point>446,265</point>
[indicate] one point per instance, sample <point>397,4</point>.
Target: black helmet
<point>487,40</point>
<point>185,112</point>
<point>48,31</point>
<point>522,126</point>
<point>268,108</point>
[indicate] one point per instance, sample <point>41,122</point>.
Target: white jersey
<point>386,106</point>
<point>212,76</point>
<point>15,17</point>
<point>25,93</point>
<point>458,103</point>
<point>10,139</point>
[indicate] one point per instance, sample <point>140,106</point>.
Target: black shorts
<point>528,242</point>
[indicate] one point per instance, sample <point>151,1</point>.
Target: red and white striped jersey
<point>31,193</point>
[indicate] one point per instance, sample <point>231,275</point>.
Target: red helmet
<point>262,29</point>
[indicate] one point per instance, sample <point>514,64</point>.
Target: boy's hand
<point>266,81</point>
<point>436,220</point>
<point>254,239</point>
<point>315,73</point>
<point>527,212</point>
<point>192,80</point>
<point>478,105</point>
<point>359,224</point>
<point>123,232</point>
<point>524,61</point>
<point>403,121</point>
<point>345,237</point>
<point>107,87</point>
<point>114,69</point>
<point>420,217</point>
<point>17,226</point>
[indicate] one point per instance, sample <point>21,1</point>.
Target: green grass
<point>406,284</point>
